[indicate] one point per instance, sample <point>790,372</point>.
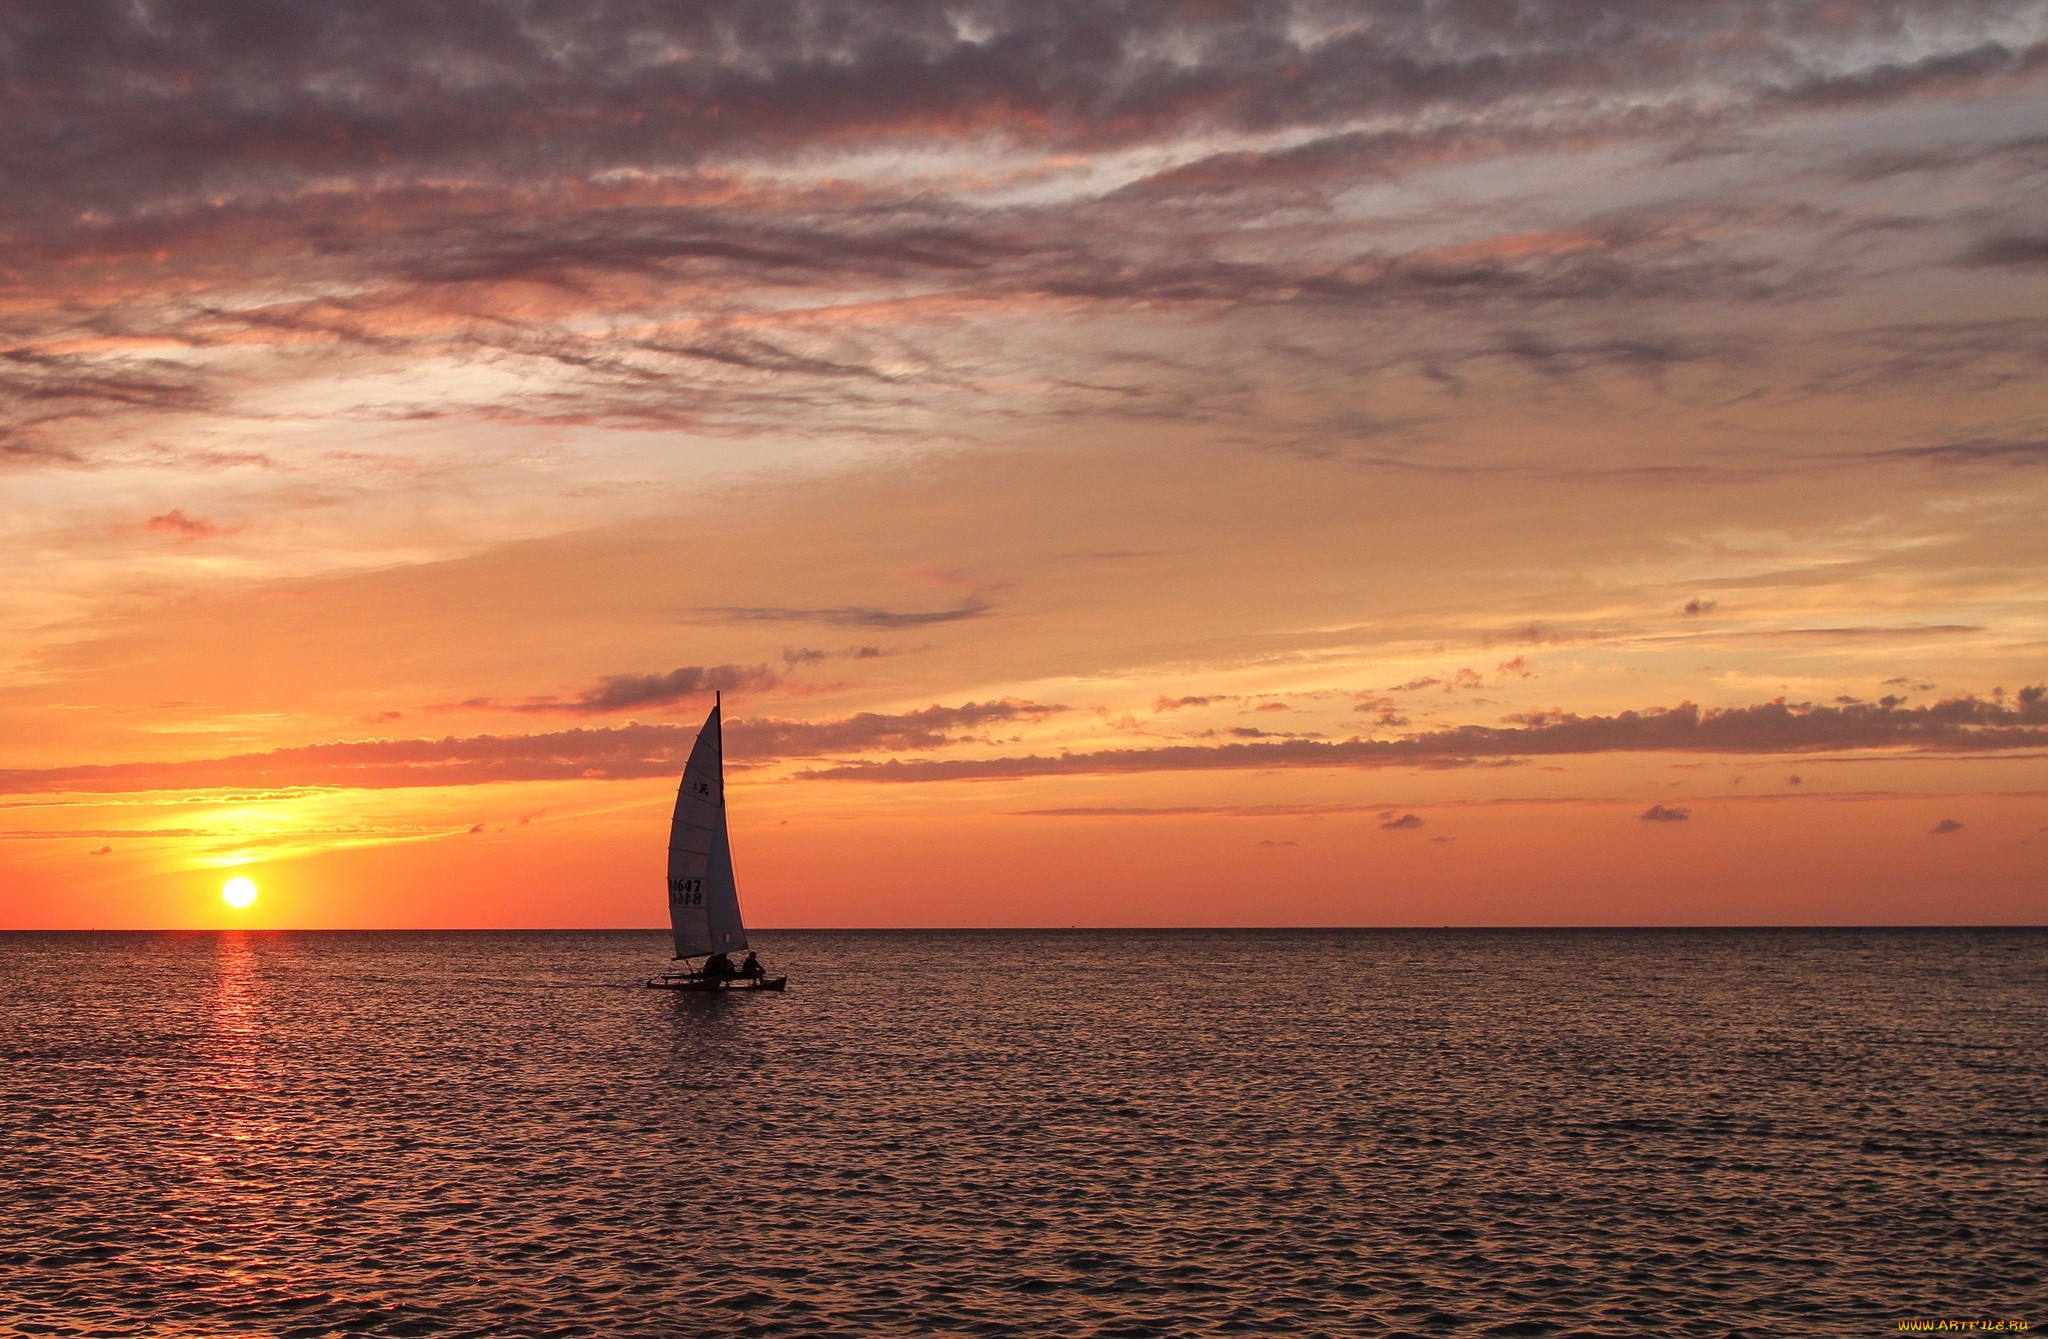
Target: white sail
<point>722,895</point>
<point>703,901</point>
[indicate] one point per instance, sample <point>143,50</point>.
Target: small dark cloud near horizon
<point>793,656</point>
<point>1945,827</point>
<point>1278,844</point>
<point>1795,780</point>
<point>1696,606</point>
<point>475,828</point>
<point>1901,630</point>
<point>852,616</point>
<point>1659,813</point>
<point>1404,823</point>
<point>101,850</point>
<point>628,692</point>
<point>187,529</point>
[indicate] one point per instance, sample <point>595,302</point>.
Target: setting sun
<point>238,892</point>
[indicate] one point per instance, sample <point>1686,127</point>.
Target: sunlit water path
<point>1596,1133</point>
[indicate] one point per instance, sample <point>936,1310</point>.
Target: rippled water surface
<point>1603,1133</point>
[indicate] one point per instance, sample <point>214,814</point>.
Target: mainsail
<point>703,900</point>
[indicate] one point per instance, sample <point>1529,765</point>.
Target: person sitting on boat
<point>751,969</point>
<point>717,969</point>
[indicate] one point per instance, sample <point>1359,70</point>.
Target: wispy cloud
<point>1978,451</point>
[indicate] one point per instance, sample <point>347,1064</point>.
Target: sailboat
<point>703,899</point>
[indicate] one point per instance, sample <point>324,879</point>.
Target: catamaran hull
<point>706,987</point>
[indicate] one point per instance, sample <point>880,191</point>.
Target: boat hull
<point>699,986</point>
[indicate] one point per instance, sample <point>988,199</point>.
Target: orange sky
<point>1599,484</point>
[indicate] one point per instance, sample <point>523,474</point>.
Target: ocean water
<point>1128,1134</point>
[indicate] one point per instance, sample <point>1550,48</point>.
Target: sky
<point>1221,463</point>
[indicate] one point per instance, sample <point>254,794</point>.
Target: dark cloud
<point>1659,813</point>
<point>185,529</point>
<point>1620,264</point>
<point>1900,630</point>
<point>1979,355</point>
<point>2023,153</point>
<point>1404,823</point>
<point>618,753</point>
<point>1886,80</point>
<point>1944,827</point>
<point>792,656</point>
<point>1976,452</point>
<point>1176,703</point>
<point>68,834</point>
<point>852,616</point>
<point>636,209</point>
<point>1697,606</point>
<point>930,728</point>
<point>41,392</point>
<point>585,753</point>
<point>1956,725</point>
<point>2028,251</point>
<point>1202,810</point>
<point>627,692</point>
<point>181,100</point>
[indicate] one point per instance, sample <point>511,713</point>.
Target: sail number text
<point>686,892</point>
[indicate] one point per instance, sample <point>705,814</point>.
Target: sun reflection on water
<point>235,1050</point>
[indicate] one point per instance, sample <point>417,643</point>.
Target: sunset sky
<point>1203,464</point>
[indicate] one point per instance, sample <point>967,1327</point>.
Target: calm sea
<point>1136,1133</point>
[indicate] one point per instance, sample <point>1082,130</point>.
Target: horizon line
<point>987,929</point>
